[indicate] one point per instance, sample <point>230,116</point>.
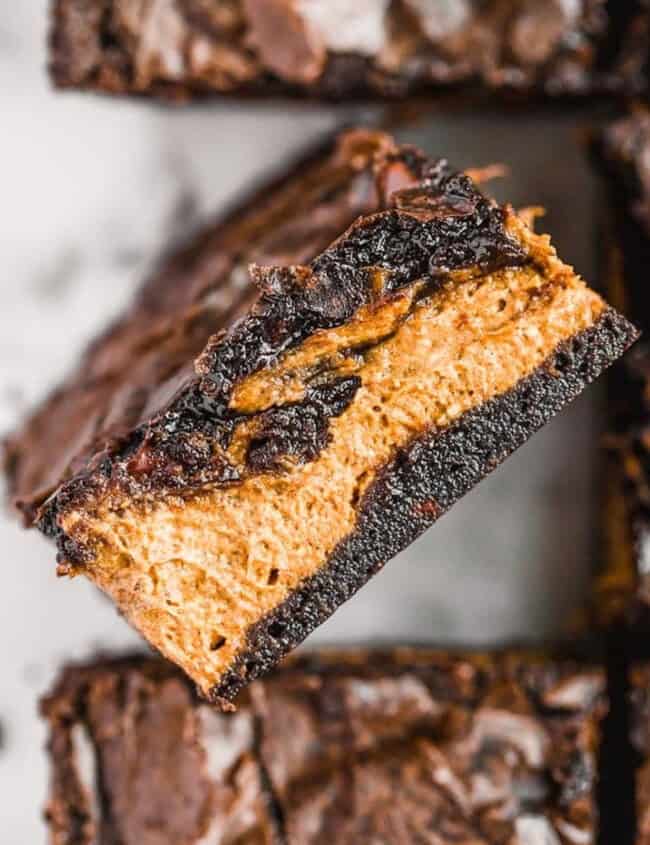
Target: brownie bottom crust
<point>420,484</point>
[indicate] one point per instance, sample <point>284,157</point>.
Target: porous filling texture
<point>193,575</point>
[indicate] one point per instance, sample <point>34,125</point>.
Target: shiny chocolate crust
<point>179,438</point>
<point>179,49</point>
<point>397,746</point>
<point>623,154</point>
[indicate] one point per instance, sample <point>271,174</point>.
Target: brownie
<point>230,484</point>
<point>137,759</point>
<point>624,155</point>
<point>350,746</point>
<point>639,696</point>
<point>339,50</point>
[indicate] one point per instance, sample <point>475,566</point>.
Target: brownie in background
<point>347,746</point>
<point>338,50</point>
<point>623,153</point>
<point>639,696</point>
<point>249,445</point>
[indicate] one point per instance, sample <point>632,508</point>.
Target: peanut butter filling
<point>194,574</point>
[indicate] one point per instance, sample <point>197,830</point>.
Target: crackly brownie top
<point>130,370</point>
<point>336,48</point>
<point>352,745</point>
<point>169,420</point>
<point>398,748</point>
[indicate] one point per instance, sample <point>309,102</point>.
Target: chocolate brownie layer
<point>349,746</point>
<point>337,49</point>
<point>232,507</point>
<point>624,154</point>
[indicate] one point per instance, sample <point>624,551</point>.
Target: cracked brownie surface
<point>395,747</point>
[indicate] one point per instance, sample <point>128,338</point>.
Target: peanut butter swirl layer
<point>395,747</point>
<point>336,49</point>
<point>624,158</point>
<point>230,491</point>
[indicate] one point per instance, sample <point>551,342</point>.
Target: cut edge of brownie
<point>420,485</point>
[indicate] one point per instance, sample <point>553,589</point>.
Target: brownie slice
<point>339,50</point>
<point>349,746</point>
<point>137,759</point>
<point>624,589</point>
<point>230,493</point>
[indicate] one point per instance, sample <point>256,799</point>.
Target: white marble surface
<point>90,189</point>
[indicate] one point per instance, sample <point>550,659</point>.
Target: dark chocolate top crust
<point>336,49</point>
<point>349,746</point>
<point>136,366</point>
<point>624,154</point>
<point>159,420</point>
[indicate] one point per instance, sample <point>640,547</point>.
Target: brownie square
<point>419,746</point>
<point>407,745</point>
<point>623,153</point>
<point>337,50</point>
<point>138,759</point>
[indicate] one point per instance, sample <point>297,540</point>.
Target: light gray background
<point>89,190</point>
